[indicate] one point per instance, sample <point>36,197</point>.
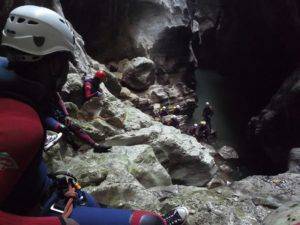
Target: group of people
<point>173,112</point>
<point>39,45</point>
<point>203,131</point>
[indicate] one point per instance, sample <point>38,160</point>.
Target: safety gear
<point>101,75</point>
<point>37,31</point>
<point>51,140</point>
<point>203,122</point>
<point>177,216</point>
<point>164,108</point>
<point>101,148</point>
<point>207,103</point>
<point>195,125</point>
<point>177,106</point>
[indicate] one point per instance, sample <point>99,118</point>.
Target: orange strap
<point>71,194</point>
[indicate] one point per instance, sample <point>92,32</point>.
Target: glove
<point>98,148</point>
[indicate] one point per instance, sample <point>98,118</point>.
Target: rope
<point>71,195</point>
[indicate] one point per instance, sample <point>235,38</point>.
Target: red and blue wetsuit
<point>55,116</point>
<point>91,88</point>
<point>23,175</point>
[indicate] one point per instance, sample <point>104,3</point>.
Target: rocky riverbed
<point>157,167</point>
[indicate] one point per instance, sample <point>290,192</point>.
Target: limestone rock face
<point>119,178</point>
<point>243,202</point>
<point>286,214</point>
<point>134,28</point>
<point>187,161</point>
<point>138,74</point>
<point>276,129</point>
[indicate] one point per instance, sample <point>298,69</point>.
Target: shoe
<point>177,216</point>
<point>98,148</point>
<point>51,140</point>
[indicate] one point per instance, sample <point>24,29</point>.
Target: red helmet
<point>100,74</point>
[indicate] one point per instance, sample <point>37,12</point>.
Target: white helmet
<point>207,103</point>
<point>37,31</point>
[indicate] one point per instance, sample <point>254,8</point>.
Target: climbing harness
<point>65,192</point>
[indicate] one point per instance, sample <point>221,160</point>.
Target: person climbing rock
<point>91,85</point>
<point>203,131</point>
<point>176,109</point>
<point>163,111</point>
<point>51,140</point>
<point>174,122</point>
<point>39,46</point>
<point>207,114</point>
<point>56,119</point>
<point>193,130</point>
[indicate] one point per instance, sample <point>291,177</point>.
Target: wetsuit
<point>91,88</point>
<point>24,184</point>
<point>55,114</point>
<point>207,115</point>
<point>174,122</point>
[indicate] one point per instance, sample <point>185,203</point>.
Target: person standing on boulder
<point>39,45</point>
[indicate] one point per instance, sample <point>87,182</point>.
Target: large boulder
<point>138,73</point>
<point>187,161</point>
<point>247,201</point>
<point>119,178</point>
<point>285,215</point>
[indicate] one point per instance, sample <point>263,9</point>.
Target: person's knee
<point>146,218</point>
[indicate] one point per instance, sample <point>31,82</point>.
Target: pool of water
<point>223,95</point>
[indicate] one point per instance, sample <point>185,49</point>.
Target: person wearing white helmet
<point>174,122</point>
<point>176,109</point>
<point>163,111</point>
<point>39,45</point>
<point>207,114</point>
<point>203,131</point>
<point>193,130</point>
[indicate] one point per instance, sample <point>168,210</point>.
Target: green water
<point>228,104</point>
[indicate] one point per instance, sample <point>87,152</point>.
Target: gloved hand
<point>98,94</point>
<point>98,148</point>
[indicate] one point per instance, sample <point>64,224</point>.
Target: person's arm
<point>62,104</point>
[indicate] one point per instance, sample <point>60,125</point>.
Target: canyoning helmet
<point>101,75</point>
<point>207,103</point>
<point>37,31</point>
<point>195,125</point>
<point>203,122</point>
<point>164,108</point>
<point>177,106</point>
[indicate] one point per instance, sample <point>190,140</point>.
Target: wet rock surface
<point>156,167</point>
